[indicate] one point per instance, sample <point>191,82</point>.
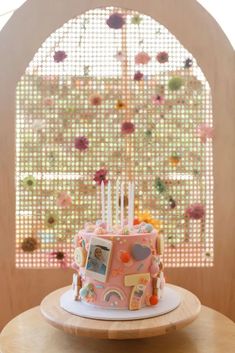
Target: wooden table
<point>211,332</point>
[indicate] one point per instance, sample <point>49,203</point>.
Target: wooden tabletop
<point>211,332</point>
<point>183,315</point>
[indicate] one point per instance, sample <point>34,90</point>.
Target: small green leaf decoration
<point>160,185</point>
<point>175,83</point>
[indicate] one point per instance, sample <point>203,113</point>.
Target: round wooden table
<point>211,332</point>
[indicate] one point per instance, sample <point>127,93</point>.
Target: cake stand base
<point>184,314</point>
<point>169,302</point>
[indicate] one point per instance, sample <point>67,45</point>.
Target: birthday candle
<point>117,201</point>
<point>122,204</point>
<point>132,203</point>
<point>102,201</point>
<point>129,204</point>
<point>109,221</point>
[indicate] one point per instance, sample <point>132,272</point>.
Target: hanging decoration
<point>113,95</point>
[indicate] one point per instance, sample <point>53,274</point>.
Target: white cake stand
<point>169,302</point>
<point>184,314</point>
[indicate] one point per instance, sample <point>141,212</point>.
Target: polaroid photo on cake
<point>98,259</point>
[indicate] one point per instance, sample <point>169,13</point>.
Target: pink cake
<point>121,269</point>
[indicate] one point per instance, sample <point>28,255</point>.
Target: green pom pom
<point>160,185</point>
<point>175,83</point>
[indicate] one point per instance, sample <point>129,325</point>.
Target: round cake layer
<point>118,269</point>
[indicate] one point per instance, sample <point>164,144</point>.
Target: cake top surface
<point>100,229</point>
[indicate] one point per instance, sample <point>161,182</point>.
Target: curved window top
<point>85,81</point>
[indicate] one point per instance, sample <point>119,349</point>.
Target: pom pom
<point>125,257</point>
<point>153,300</point>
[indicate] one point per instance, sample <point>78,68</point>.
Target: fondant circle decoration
<point>80,255</point>
<point>140,252</point>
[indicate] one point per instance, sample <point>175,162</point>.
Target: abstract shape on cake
<point>140,252</point>
<point>87,293</point>
<point>139,282</point>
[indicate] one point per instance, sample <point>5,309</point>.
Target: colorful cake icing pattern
<point>120,266</point>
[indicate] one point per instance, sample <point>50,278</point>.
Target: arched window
<point>100,69</point>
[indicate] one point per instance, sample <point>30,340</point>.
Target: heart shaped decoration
<point>140,252</point>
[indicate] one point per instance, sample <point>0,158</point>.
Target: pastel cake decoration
<point>118,263</point>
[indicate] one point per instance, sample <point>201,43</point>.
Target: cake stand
<point>183,315</point>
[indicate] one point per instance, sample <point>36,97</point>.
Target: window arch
<point>84,81</point>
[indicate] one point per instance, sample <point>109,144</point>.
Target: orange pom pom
<point>125,257</point>
<point>153,300</point>
<point>136,221</point>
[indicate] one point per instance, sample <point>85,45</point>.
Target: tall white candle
<point>117,201</point>
<point>129,204</point>
<point>109,211</point>
<point>102,201</point>
<point>132,204</point>
<point>122,204</point>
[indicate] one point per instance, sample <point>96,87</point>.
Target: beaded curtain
<point>113,94</point>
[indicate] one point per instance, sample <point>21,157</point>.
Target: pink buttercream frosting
<point>113,293</point>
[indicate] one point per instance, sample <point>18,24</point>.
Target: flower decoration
<point>158,100</point>
<point>119,56</point>
<point>29,244</point>
<point>195,211</point>
<point>147,218</point>
<point>175,83</point>
<point>194,84</point>
<point>81,143</point>
<point>162,57</point>
<point>95,99</point>
<point>100,176</point>
<point>127,127</point>
<point>142,58</point>
<point>51,220</point>
<point>120,104</point>
<point>59,56</point>
<point>61,257</point>
<point>172,203</point>
<point>63,200</point>
<point>160,185</point>
<point>116,21</point>
<point>37,125</point>
<point>138,76</point>
<point>148,133</point>
<point>136,20</point>
<point>48,102</point>
<point>188,63</point>
<point>205,132</point>
<point>29,183</point>
<point>174,159</point>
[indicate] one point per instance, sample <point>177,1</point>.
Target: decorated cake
<point>118,266</point>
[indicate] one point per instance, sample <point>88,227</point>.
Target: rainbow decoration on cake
<point>118,266</point>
